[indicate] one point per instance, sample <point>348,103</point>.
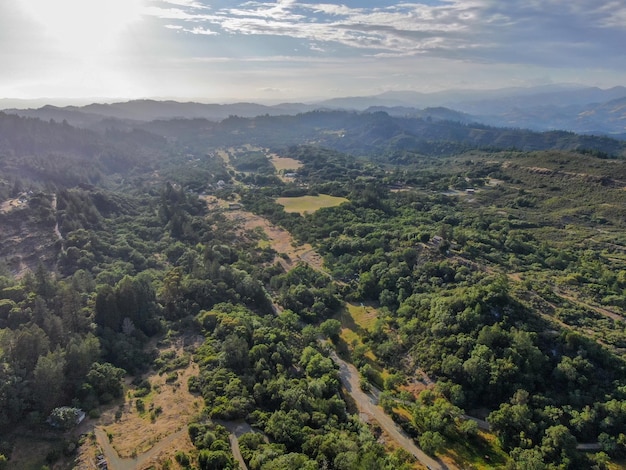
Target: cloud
<point>305,47</point>
<point>174,14</point>
<point>516,31</point>
<point>201,31</point>
<point>186,3</point>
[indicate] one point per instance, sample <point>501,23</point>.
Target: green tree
<point>107,313</point>
<point>106,381</point>
<point>331,329</point>
<point>512,423</point>
<point>215,460</point>
<point>526,459</point>
<point>431,442</point>
<point>49,380</point>
<point>558,445</point>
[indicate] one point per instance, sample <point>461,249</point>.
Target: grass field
<point>285,163</point>
<point>363,315</point>
<point>356,320</point>
<point>309,204</point>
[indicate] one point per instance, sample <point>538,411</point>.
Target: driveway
<point>350,379</point>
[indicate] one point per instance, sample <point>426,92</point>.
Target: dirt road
<point>140,462</point>
<point>350,379</point>
<point>57,232</point>
<point>282,242</point>
<point>236,429</point>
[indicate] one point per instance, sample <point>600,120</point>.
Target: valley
<point>327,290</point>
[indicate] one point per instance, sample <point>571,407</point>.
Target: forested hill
<point>383,135</point>
<point>56,153</point>
<point>459,281</point>
<point>362,134</point>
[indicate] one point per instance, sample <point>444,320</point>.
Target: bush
<point>182,458</point>
<point>140,405</point>
<point>431,442</point>
<point>214,460</point>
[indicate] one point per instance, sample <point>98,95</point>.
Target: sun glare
<point>83,26</point>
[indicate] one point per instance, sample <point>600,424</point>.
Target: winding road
<point>350,379</point>
<point>281,241</point>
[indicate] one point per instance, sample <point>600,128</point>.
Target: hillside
<point>56,153</point>
<point>379,134</point>
<point>469,278</point>
<point>587,110</point>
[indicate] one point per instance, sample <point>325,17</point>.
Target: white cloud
<point>202,31</point>
<point>172,14</point>
<point>482,30</point>
<point>82,25</point>
<point>301,48</point>
<point>185,3</point>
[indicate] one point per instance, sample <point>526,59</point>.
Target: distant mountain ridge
<point>152,110</point>
<point>586,110</point>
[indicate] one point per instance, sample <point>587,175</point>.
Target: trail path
<point>234,445</point>
<point>350,379</point>
<point>601,310</point>
<point>282,242</point>
<point>57,232</point>
<point>137,463</point>
<point>236,429</point>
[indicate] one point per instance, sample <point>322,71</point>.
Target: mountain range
<point>584,110</point>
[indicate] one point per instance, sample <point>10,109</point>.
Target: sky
<point>299,50</point>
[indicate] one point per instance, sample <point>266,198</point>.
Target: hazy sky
<point>224,50</point>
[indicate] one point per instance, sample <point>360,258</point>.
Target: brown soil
<point>9,205</point>
<point>280,240</point>
<point>134,433</point>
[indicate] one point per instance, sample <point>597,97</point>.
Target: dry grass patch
<point>30,454</point>
<point>224,155</point>
<point>159,428</point>
<point>168,407</point>
<point>363,315</point>
<point>10,204</point>
<point>309,204</point>
<point>285,163</point>
<point>279,239</point>
<point>482,452</point>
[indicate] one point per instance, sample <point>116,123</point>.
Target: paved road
<point>350,379</point>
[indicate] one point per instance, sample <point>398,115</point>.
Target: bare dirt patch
<point>285,163</point>
<point>136,432</point>
<point>140,439</point>
<point>280,240</point>
<point>9,205</point>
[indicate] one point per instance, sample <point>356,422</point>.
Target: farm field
<point>309,204</point>
<point>285,163</point>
